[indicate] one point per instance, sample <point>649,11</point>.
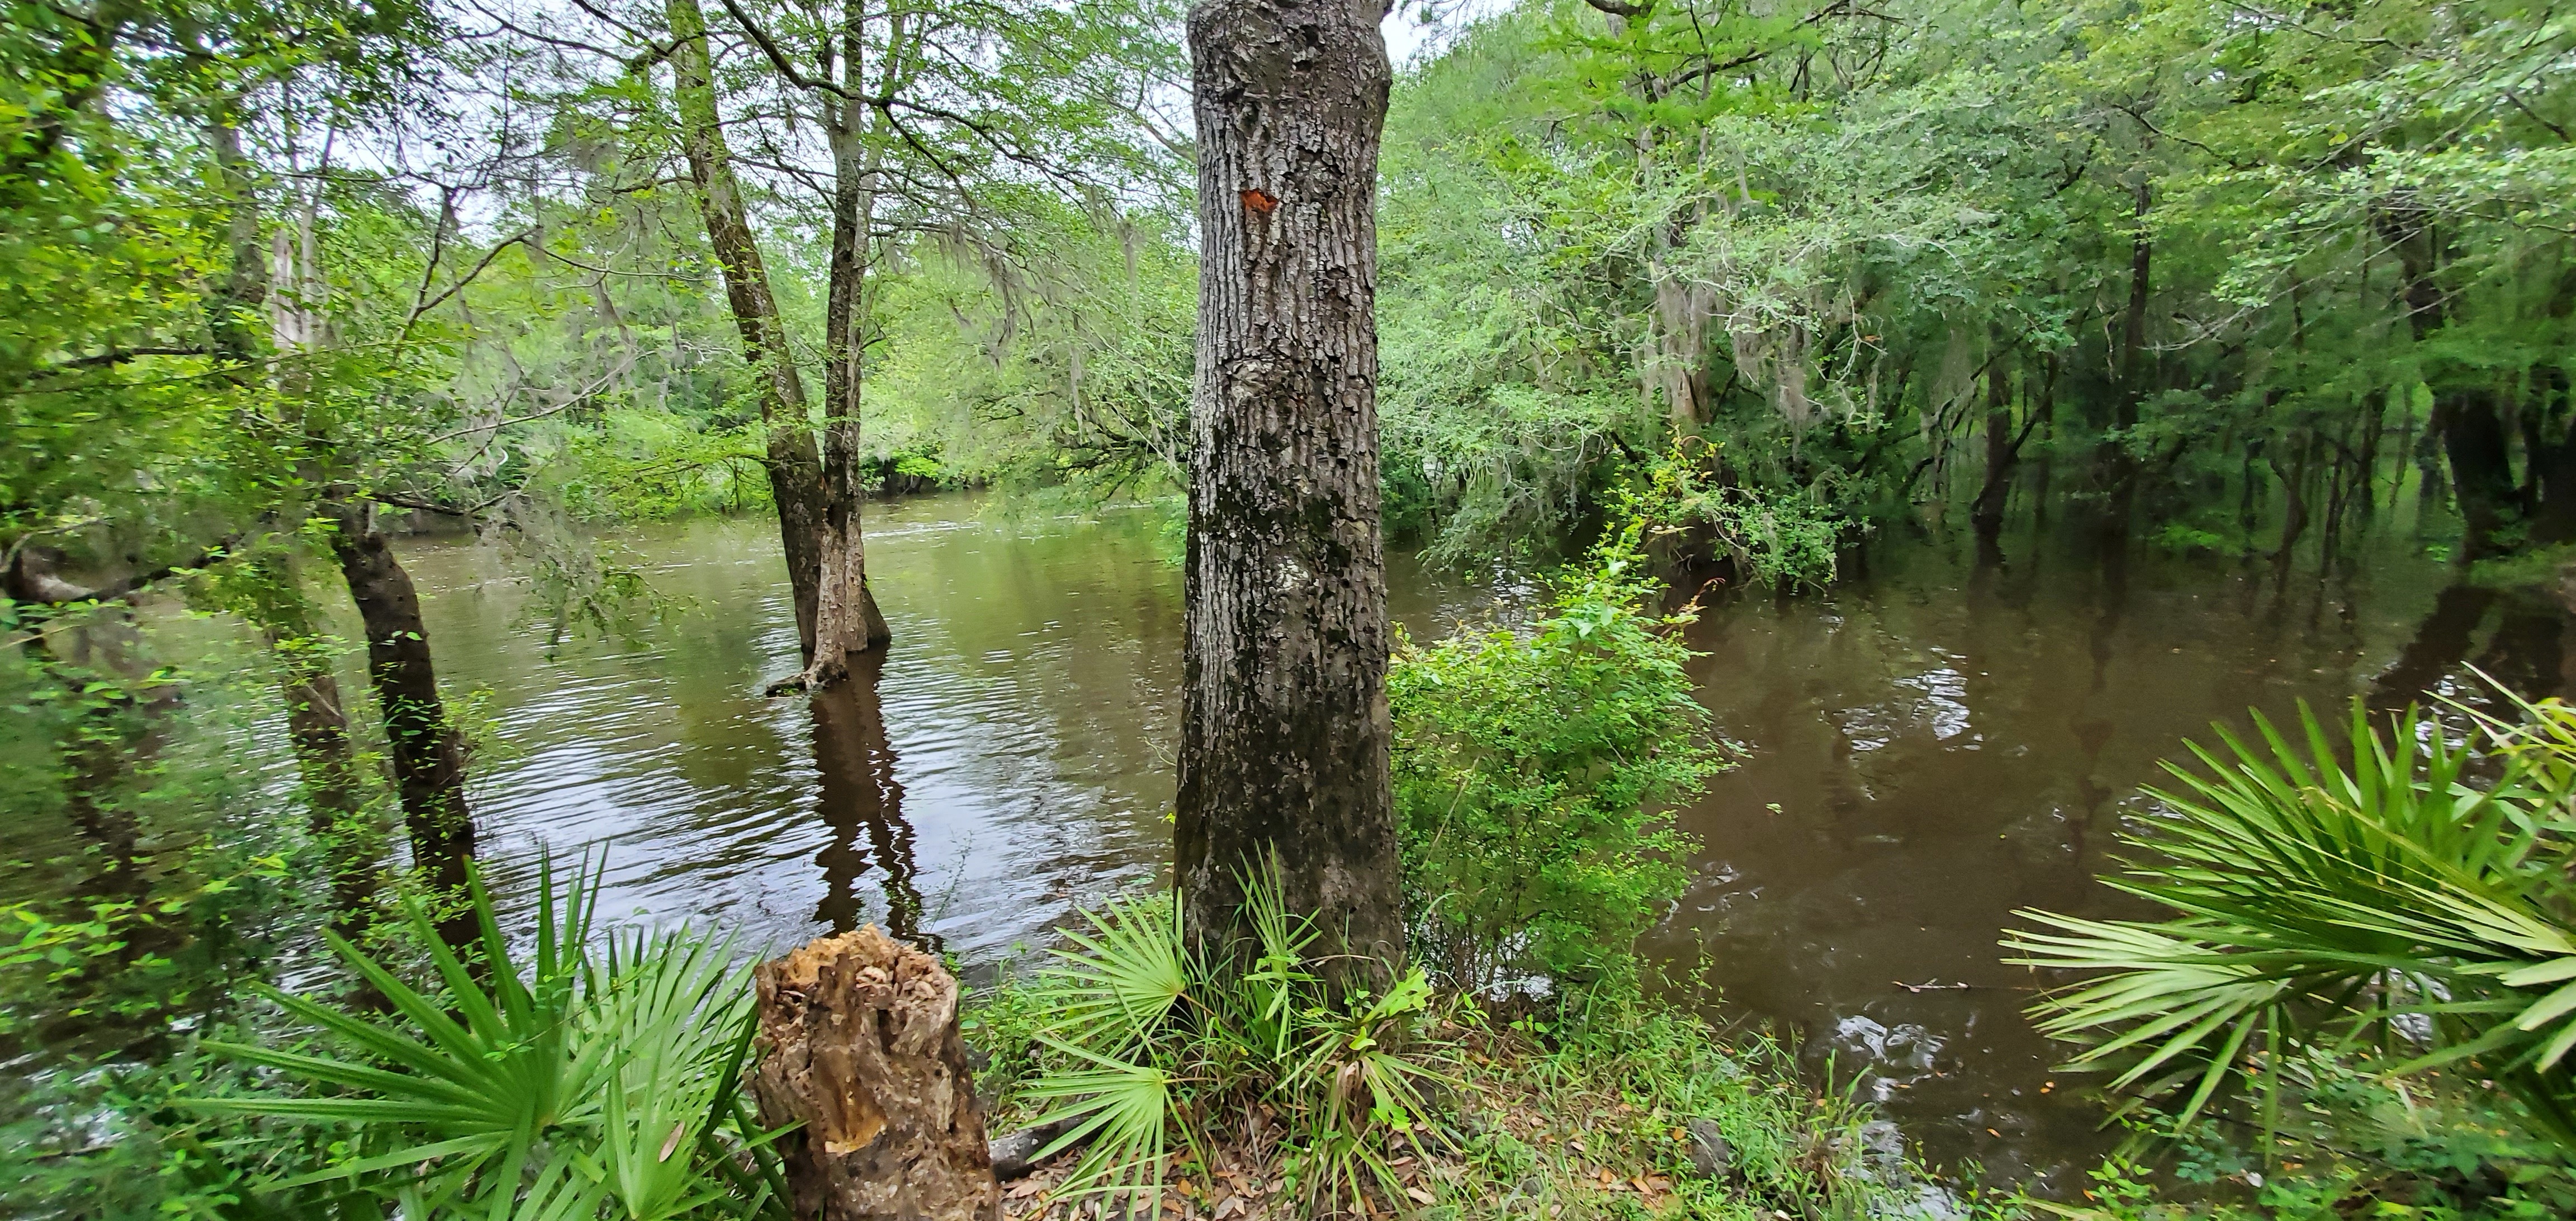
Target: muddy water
<point>1012,760</point>
<point>1926,750</point>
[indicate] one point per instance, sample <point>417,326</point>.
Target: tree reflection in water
<point>862,802</point>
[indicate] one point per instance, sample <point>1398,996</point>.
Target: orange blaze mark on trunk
<point>1259,202</point>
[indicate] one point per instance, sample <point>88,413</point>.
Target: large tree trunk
<point>795,476</point>
<point>846,619</point>
<point>428,753</point>
<point>1285,728</point>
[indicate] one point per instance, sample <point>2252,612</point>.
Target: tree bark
<point>863,1051</point>
<point>427,751</point>
<point>846,619</point>
<point>1285,728</point>
<point>795,475</point>
<point>245,290</point>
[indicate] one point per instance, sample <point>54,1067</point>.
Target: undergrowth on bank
<point>2348,1139</point>
<point>1534,768</point>
<point>1534,771</point>
<point>2359,1002</point>
<point>1598,1103</point>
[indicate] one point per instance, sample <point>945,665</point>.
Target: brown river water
<point>1925,749</point>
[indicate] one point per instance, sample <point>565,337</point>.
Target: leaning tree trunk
<point>427,751</point>
<point>317,726</point>
<point>1285,727</point>
<point>795,477</point>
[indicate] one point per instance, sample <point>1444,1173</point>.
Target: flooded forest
<point>1782,610</point>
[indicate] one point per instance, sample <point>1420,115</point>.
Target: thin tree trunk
<point>2120,470</point>
<point>1285,729</point>
<point>1986,516</point>
<point>795,474</point>
<point>229,311</point>
<point>2047,409</point>
<point>2374,426</point>
<point>317,722</point>
<point>428,753</point>
<point>2294,492</point>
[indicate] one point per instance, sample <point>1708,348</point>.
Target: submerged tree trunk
<point>1986,516</point>
<point>428,753</point>
<point>795,475</point>
<point>846,619</point>
<point>2294,493</point>
<point>1285,729</point>
<point>2555,461</point>
<point>2473,438</point>
<point>317,726</point>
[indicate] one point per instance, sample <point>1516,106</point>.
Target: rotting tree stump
<point>859,1044</point>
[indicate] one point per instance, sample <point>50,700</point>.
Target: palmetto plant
<point>585,1081</point>
<point>1150,1037</point>
<point>2371,893</point>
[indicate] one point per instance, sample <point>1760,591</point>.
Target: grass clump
<point>1601,1104</point>
<point>1147,1048</point>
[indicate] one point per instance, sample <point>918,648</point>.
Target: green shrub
<point>588,1081</point>
<point>1532,769</point>
<point>2349,1140</point>
<point>1143,1040</point>
<point>920,466</point>
<point>1691,496</point>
